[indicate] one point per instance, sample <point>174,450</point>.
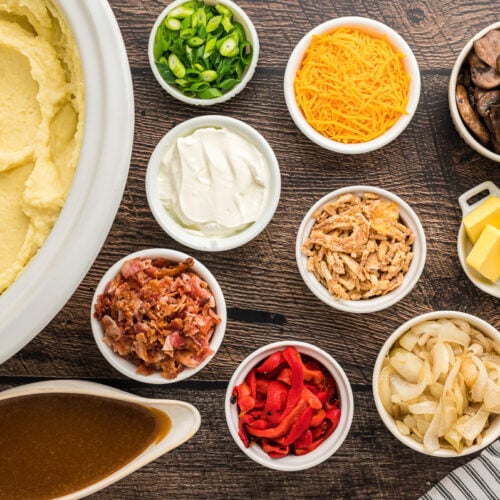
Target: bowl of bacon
<point>158,316</point>
<point>289,406</point>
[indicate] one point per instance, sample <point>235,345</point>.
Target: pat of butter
<point>486,213</point>
<point>485,254</point>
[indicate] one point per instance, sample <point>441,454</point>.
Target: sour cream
<point>214,182</point>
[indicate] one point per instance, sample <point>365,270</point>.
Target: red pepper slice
<point>300,426</point>
<point>285,376</point>
<point>275,450</point>
<point>245,400</point>
<point>251,380</point>
<point>271,363</point>
<point>292,357</point>
<point>318,417</point>
<point>276,397</point>
<point>303,442</point>
<point>311,398</point>
<point>283,427</point>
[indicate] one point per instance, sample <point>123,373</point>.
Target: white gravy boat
<point>185,420</point>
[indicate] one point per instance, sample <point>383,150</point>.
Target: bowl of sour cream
<point>213,183</point>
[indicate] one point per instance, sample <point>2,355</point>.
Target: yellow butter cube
<point>485,254</point>
<point>486,213</point>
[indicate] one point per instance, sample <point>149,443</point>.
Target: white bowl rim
<point>460,126</point>
<point>389,422</point>
<point>190,239</point>
<point>331,444</point>
<point>413,94</point>
<point>464,245</point>
<point>248,73</point>
<point>375,303</point>
<point>125,366</point>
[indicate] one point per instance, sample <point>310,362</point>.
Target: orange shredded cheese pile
<point>351,86</point>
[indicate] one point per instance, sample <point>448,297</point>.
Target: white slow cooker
<point>55,272</point>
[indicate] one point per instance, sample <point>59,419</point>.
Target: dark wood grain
<point>428,166</point>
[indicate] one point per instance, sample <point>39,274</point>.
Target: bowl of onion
<point>436,383</point>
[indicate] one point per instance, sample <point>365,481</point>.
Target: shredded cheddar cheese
<point>351,86</point>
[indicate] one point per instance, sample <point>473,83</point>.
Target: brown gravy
<point>56,444</point>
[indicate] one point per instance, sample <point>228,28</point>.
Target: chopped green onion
<point>229,46</point>
<point>195,41</point>
<point>214,23</point>
<point>172,24</point>
<point>201,49</point>
<point>208,75</point>
<point>181,12</point>
<point>177,68</point>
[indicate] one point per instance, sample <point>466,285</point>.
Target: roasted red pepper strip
<point>276,397</point>
<point>271,363</point>
<point>292,357</point>
<point>304,442</point>
<point>300,426</point>
<point>285,376</point>
<point>311,398</point>
<point>251,380</point>
<point>245,400</point>
<point>283,427</point>
<point>275,450</point>
<point>318,418</point>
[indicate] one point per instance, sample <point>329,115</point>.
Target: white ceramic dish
<point>62,262</point>
<point>185,422</point>
<point>330,445</point>
<point>408,216</point>
<point>493,432</point>
<point>370,26</point>
<point>194,239</point>
<point>127,367</point>
<point>462,130</point>
<point>250,32</point>
<point>464,245</point>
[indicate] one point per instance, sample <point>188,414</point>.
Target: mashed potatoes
<point>41,124</point>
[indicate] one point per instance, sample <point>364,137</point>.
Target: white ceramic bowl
<point>251,34</point>
<point>330,445</point>
<point>185,420</point>
<point>464,245</point>
<point>370,26</point>
<point>462,130</point>
<point>127,367</point>
<point>194,239</point>
<point>408,216</point>
<point>492,433</point>
<point>84,222</point>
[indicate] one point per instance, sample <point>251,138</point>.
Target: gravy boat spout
<point>185,422</point>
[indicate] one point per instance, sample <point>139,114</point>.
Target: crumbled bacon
<point>158,314</point>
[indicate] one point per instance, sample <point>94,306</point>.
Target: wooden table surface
<point>428,166</point>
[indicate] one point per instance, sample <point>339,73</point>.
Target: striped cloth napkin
<point>477,479</point>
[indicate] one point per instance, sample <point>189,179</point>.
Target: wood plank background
<point>428,166</point>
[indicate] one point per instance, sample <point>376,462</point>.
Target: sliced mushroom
<point>478,93</point>
<point>498,64</point>
<point>474,60</point>
<point>494,116</point>
<point>486,78</point>
<point>486,101</point>
<point>469,117</point>
<point>488,47</point>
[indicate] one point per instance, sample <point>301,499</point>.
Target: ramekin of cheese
<point>213,183</point>
<point>479,237</point>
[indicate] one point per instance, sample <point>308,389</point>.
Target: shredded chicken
<point>158,314</point>
<point>358,247</point>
